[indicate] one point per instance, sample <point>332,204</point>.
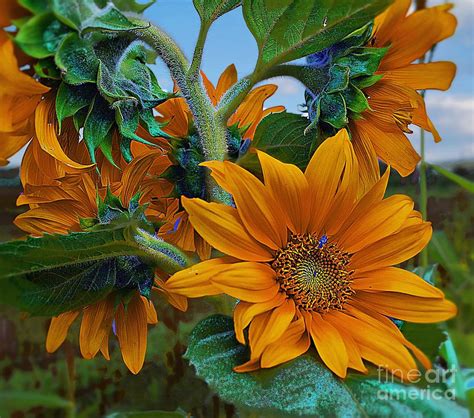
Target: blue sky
<point>230,42</point>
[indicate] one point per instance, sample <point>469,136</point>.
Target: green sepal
<point>152,125</point>
<point>86,15</point>
<point>41,35</point>
<point>77,59</point>
<point>355,99</point>
<point>364,82</point>
<point>364,62</point>
<point>46,68</point>
<point>70,99</point>
<point>80,117</point>
<point>338,78</point>
<point>98,124</point>
<point>333,110</point>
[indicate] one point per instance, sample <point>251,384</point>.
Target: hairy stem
<point>211,128</point>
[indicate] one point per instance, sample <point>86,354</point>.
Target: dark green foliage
<point>282,135</point>
<point>302,387</point>
<point>210,10</point>
<point>286,30</point>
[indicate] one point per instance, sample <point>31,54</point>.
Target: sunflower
<point>395,100</point>
<point>312,258</point>
<point>57,206</point>
<point>176,113</point>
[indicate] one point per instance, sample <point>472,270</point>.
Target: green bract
<point>87,50</point>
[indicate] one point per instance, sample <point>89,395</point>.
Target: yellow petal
<point>131,323</point>
<point>407,307</point>
<point>96,324</point>
<point>210,89</point>
<point>45,124</point>
<point>221,226</point>
<point>244,312</point>
<point>388,21</point>
<point>378,222</point>
<point>329,344</point>
<point>392,279</point>
<point>272,328</point>
<point>248,281</point>
<point>292,343</point>
<point>259,211</point>
<point>428,26</point>
<point>227,79</point>
<point>434,75</point>
<point>58,329</point>
<point>324,173</point>
<point>289,187</point>
<point>151,316</point>
<point>393,249</point>
<point>195,281</point>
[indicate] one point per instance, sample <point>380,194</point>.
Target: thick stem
<point>211,128</point>
<point>423,193</point>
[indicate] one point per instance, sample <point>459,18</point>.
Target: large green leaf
<point>282,135</point>
<point>17,400</point>
<point>210,10</point>
<point>286,30</point>
<point>86,14</point>
<point>302,387</point>
<point>58,273</point>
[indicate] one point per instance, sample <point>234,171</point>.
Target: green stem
<point>211,129</point>
<point>423,193</point>
<point>71,380</point>
<point>193,72</point>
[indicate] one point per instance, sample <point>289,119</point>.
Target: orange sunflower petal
<point>58,329</point>
<point>222,227</point>
<point>289,186</point>
<point>131,324</point>
<point>330,345</point>
<point>96,324</point>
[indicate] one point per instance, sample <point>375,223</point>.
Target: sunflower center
<point>314,273</point>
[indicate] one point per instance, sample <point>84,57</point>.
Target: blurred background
<point>36,384</point>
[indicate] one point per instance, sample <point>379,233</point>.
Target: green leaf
<point>127,5</point>
<point>286,30</point>
<point>46,68</point>
<point>77,59</point>
<point>302,387</point>
<point>58,273</point>
<point>210,10</point>
<point>70,99</point>
<point>282,136</point>
<point>85,14</point>
<point>41,35</point>
<point>15,400</point>
<point>455,178</point>
<point>35,6</point>
<point>355,99</point>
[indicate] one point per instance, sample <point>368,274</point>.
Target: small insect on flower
<point>310,257</point>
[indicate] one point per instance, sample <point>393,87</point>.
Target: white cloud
<point>453,112</point>
<point>288,86</point>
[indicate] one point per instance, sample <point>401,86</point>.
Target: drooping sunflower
<point>310,257</point>
<point>371,82</point>
<point>58,206</point>
<point>178,230</point>
<point>395,100</point>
